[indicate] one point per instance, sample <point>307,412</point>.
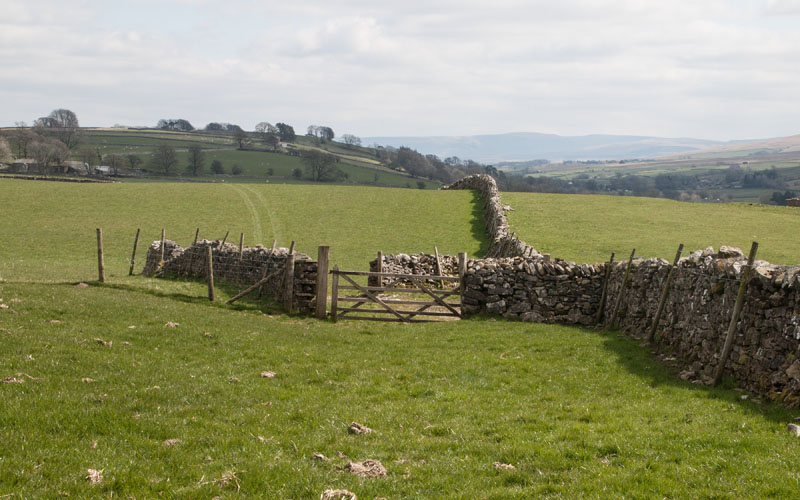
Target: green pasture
<point>587,228</point>
<point>183,411</point>
<point>147,381</point>
<point>257,164</point>
<point>53,223</point>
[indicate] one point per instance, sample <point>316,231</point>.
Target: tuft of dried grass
<point>172,442</point>
<point>367,468</point>
<point>501,466</point>
<point>172,324</point>
<point>338,495</point>
<point>94,476</point>
<point>268,374</point>
<point>356,428</point>
<point>104,343</point>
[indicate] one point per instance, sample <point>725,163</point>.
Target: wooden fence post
<point>462,270</point>
<point>241,247</point>
<point>288,281</point>
<point>163,240</point>
<point>322,281</point>
<point>622,289</point>
<point>224,239</point>
<point>334,293</point>
<point>664,294</point>
<point>380,268</point>
<point>196,235</point>
<point>101,268</point>
<point>210,272</point>
<point>602,305</point>
<point>133,256</point>
<point>737,310</point>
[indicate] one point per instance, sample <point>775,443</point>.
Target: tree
<point>217,168</point>
<point>133,161</point>
<point>214,127</point>
<point>116,161</point>
<point>5,151</point>
<point>273,141</point>
<point>270,171</point>
<point>237,169</point>
<point>320,166</point>
<point>196,160</point>
<point>351,140</point>
<point>21,137</point>
<point>297,173</point>
<point>175,124</point>
<point>286,132</point>
<point>266,128</point>
<point>87,155</point>
<point>48,152</point>
<point>420,184</point>
<point>322,132</point>
<point>164,158</point>
<point>241,137</point>
<point>61,124</point>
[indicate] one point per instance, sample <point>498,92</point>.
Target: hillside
<point>522,146</point>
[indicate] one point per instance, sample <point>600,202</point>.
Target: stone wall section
<point>256,263</point>
<point>766,347</point>
<point>418,263</point>
<point>502,242</point>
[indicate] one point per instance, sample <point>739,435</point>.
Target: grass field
<point>578,413</point>
<point>587,228</point>
<point>54,223</point>
<point>256,164</point>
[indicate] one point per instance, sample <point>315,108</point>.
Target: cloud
<point>716,69</point>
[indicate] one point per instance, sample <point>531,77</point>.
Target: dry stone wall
<point>418,263</point>
<point>502,242</point>
<point>256,263</point>
<point>766,348</point>
<point>533,289</point>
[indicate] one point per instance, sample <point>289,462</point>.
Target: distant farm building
<point>793,202</point>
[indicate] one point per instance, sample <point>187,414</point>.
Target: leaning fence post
<point>334,293</point>
<point>224,239</point>
<point>196,235</point>
<point>163,240</point>
<point>664,294</point>
<point>622,289</point>
<point>737,310</point>
<point>241,247</point>
<point>602,305</point>
<point>210,273</point>
<point>101,268</point>
<point>133,255</point>
<point>462,270</point>
<point>439,271</point>
<point>288,281</point>
<point>379,268</point>
<point>322,280</point>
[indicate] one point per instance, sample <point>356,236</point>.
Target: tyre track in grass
<point>258,234</point>
<point>262,200</point>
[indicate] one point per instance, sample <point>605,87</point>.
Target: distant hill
<point>520,146</point>
<point>779,145</point>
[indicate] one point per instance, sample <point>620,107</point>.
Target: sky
<point>710,69</point>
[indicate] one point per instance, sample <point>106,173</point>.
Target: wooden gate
<point>372,303</point>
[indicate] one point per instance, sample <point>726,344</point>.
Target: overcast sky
<point>712,69</point>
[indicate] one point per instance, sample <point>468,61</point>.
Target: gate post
<point>334,292</point>
<point>462,270</point>
<point>322,281</point>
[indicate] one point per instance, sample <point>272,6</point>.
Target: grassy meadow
<point>587,228</point>
<point>162,391</point>
<point>53,223</point>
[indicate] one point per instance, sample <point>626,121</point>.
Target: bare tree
<point>116,161</point>
<point>61,124</point>
<point>48,152</point>
<point>197,159</point>
<point>133,161</point>
<point>164,158</point>
<point>21,137</point>
<point>5,151</point>
<point>320,166</point>
<point>351,140</point>
<point>241,137</point>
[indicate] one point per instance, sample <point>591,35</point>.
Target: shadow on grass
<point>248,303</point>
<point>478,225</point>
<point>638,360</point>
